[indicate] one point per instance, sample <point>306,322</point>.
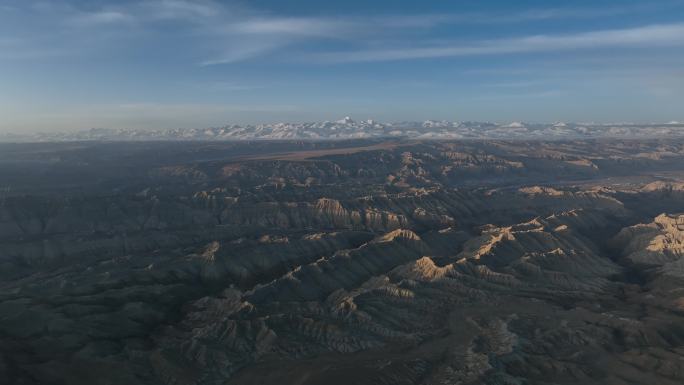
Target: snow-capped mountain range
<point>348,128</point>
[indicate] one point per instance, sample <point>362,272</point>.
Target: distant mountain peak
<point>346,120</point>
<point>348,128</point>
<point>515,125</point>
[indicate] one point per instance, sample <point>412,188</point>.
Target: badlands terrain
<point>357,261</point>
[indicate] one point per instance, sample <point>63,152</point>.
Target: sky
<point>153,64</point>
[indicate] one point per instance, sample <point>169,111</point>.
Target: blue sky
<point>77,64</point>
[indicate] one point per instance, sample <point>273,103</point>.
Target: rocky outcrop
<point>655,254</point>
<point>660,243</point>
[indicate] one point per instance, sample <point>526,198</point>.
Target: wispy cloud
<point>261,35</point>
<point>255,36</point>
<point>227,32</point>
<point>292,26</point>
<point>653,35</point>
<point>339,27</point>
<point>572,12</point>
<point>180,9</point>
<point>144,12</point>
<point>240,50</point>
<point>99,18</point>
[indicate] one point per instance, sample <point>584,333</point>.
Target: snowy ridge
<point>348,128</point>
